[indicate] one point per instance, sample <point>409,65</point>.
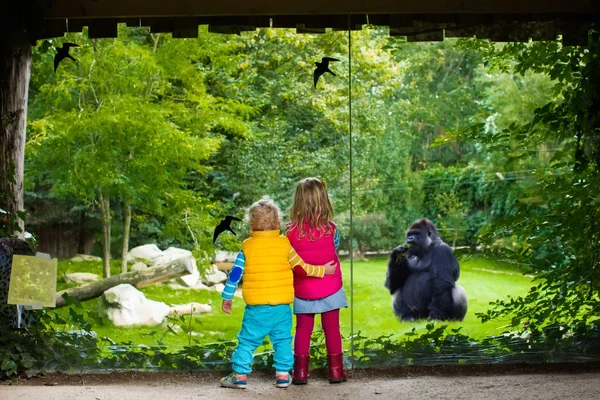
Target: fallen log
<point>139,279</point>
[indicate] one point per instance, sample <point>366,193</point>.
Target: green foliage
<point>554,229</point>
<point>52,342</point>
<point>452,216</point>
<point>440,345</point>
<point>560,242</point>
<point>45,348</point>
<point>244,120</point>
<point>132,120</point>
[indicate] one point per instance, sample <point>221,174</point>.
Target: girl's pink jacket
<point>317,252</point>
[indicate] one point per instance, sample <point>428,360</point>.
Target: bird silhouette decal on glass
<point>224,225</point>
<point>62,53</point>
<point>323,67</point>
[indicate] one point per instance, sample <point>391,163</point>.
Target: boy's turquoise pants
<point>259,322</point>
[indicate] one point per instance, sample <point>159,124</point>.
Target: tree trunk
<point>81,237</point>
<point>15,70</point>
<point>138,279</point>
<point>126,228</point>
<point>105,206</point>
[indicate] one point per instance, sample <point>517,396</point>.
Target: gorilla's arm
<point>444,268</point>
<point>397,271</point>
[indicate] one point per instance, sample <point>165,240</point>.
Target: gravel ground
<point>488,383</point>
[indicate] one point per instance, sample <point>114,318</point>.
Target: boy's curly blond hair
<point>264,215</point>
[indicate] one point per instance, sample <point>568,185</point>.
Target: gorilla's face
<point>419,238</point>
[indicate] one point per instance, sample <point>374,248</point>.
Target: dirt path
<point>372,384</point>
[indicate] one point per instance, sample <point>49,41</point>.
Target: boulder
<point>224,256</point>
<point>147,254</point>
<point>219,287</point>
<point>191,308</point>
<point>173,253</point>
<point>80,277</point>
<point>139,266</point>
<point>224,266</point>
<point>213,276</point>
<point>124,305</point>
<point>85,257</point>
<point>192,279</point>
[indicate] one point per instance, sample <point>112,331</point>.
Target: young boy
<point>266,262</point>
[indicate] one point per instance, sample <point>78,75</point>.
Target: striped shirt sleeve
<point>311,270</point>
<point>235,275</point>
<point>336,238</point>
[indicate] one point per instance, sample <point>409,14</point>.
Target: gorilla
<point>421,277</point>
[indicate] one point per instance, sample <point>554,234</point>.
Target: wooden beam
<point>52,28</point>
<point>159,25</point>
<point>185,28</point>
<point>103,28</point>
<point>236,25</point>
<point>62,9</point>
<point>77,24</point>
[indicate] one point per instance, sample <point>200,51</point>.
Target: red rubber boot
<point>300,375</point>
<point>336,368</point>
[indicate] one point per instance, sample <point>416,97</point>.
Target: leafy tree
<point>298,130</point>
<point>555,229</point>
<point>128,123</point>
<point>452,216</point>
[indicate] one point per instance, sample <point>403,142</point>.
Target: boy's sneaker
<point>235,381</point>
<point>283,379</point>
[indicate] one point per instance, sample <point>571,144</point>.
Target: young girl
<point>315,237</point>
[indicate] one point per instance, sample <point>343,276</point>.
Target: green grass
<point>214,326</point>
<point>484,280</point>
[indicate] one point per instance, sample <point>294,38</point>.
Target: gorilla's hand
<point>401,250</point>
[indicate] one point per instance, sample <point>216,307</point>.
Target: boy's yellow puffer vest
<point>268,277</point>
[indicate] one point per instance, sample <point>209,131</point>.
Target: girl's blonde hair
<point>264,215</point>
<point>311,202</point>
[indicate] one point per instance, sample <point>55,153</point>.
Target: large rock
<point>80,277</point>
<point>191,308</point>
<point>224,266</point>
<point>192,279</point>
<point>214,275</point>
<point>219,287</point>
<point>124,305</point>
<point>224,260</point>
<point>151,255</point>
<point>224,256</point>
<point>85,257</point>
<point>173,253</point>
<point>147,254</point>
<point>139,266</point>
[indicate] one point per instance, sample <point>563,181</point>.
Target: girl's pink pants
<point>330,321</point>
